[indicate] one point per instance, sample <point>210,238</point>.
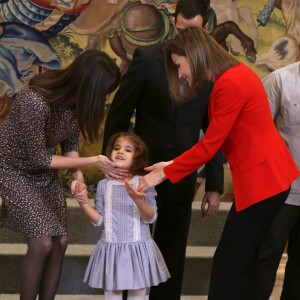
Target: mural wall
<point>36,35</point>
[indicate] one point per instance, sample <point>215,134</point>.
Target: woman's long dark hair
<point>82,86</point>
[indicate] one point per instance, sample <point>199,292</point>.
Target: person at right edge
<point>283,90</point>
<point>261,165</point>
<point>168,130</point>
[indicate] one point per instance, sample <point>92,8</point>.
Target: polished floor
<point>86,297</point>
<point>275,295</point>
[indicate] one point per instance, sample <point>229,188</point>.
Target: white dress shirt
<point>283,90</point>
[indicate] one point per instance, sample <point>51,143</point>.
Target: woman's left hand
<point>155,177</point>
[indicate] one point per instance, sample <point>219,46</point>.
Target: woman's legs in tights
<point>132,295</point>
<point>42,267</point>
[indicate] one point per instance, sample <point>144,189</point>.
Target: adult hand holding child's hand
<point>79,190</point>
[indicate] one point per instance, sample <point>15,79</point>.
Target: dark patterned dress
<point>32,195</point>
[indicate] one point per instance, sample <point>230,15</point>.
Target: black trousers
<point>285,228</point>
<point>235,263</point>
<point>171,235</point>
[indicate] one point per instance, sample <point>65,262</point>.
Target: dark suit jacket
<point>167,129</point>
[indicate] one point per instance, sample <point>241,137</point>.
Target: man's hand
<point>210,203</point>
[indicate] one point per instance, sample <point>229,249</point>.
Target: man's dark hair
<point>191,8</point>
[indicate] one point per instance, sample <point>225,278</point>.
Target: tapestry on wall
<point>36,35</point>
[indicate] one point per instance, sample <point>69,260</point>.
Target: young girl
<point>126,257</point>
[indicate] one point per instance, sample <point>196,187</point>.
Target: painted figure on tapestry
<point>285,49</point>
<point>36,35</point>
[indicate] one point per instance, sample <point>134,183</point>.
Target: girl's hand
<point>109,169</point>
<point>146,211</point>
<point>133,193</point>
<point>79,191</point>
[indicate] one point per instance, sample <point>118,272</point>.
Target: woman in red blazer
<point>261,166</point>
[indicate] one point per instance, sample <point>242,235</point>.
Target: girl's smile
<point>122,153</point>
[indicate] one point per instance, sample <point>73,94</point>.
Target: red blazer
<point>241,125</point>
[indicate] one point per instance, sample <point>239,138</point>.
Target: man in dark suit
<point>168,130</point>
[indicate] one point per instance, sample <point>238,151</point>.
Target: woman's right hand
<point>109,169</point>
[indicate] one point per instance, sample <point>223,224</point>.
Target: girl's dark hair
<point>84,86</point>
<point>140,157</point>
